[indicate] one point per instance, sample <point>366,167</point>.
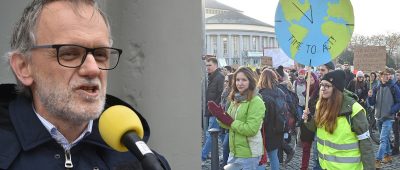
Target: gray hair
<point>23,37</point>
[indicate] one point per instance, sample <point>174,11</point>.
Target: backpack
<point>292,101</point>
<point>276,105</point>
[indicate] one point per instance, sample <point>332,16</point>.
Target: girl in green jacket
<point>243,119</point>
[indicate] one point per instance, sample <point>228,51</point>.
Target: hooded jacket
<point>358,124</point>
<point>386,98</point>
<point>25,142</point>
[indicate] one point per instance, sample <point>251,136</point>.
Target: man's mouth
<point>89,89</point>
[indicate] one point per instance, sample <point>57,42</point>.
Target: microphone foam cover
<point>115,122</point>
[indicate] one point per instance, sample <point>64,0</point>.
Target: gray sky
<point>371,16</point>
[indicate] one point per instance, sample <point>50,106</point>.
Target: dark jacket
<point>348,76</point>
<point>358,124</point>
<point>306,134</point>
<point>361,92</point>
<point>214,88</point>
<point>386,98</point>
<point>273,140</point>
<point>26,144</point>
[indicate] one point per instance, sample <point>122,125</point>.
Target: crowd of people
<point>258,110</point>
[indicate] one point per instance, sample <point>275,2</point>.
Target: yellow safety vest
<point>340,150</point>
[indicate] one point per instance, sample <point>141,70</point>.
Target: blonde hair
<point>268,79</point>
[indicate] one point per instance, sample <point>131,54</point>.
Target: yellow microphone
<point>122,130</point>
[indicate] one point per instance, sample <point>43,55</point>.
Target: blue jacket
<point>395,97</point>
<point>26,144</point>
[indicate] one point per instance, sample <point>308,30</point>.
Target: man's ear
<point>21,67</point>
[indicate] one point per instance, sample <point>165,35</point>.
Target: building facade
<point>235,37</point>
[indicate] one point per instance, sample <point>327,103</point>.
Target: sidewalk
<point>296,162</point>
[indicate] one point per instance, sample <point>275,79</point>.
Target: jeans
<point>212,123</point>
<point>225,149</point>
<point>306,154</point>
<point>384,128</point>
<point>396,135</point>
<point>315,155</point>
<point>273,159</point>
<point>246,163</point>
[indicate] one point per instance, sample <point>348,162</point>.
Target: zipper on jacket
<point>68,160</point>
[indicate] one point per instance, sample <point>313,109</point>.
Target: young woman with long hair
<point>341,127</point>
<point>268,85</point>
<point>307,136</point>
<point>243,119</point>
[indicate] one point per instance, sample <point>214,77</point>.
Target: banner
<point>370,58</point>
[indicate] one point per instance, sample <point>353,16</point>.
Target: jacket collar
<point>31,132</point>
<point>349,99</point>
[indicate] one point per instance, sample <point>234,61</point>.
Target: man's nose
<point>89,67</point>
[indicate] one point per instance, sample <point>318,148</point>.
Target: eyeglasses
<point>325,86</point>
<point>73,56</point>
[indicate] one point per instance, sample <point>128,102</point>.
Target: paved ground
<point>296,162</point>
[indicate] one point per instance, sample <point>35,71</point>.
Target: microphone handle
<point>139,148</point>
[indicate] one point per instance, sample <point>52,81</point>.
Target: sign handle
<point>308,89</point>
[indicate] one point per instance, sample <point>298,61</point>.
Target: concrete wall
<point>160,71</point>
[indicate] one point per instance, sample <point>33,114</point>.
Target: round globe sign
<point>313,32</point>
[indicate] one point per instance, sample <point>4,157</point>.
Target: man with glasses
<point>386,98</point>
<point>60,54</point>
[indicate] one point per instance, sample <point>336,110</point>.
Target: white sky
<point>371,16</point>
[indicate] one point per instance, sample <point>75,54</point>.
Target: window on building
<point>214,44</point>
<point>265,42</point>
<point>246,43</point>
<point>225,45</point>
<point>235,61</point>
<point>256,61</point>
<point>255,40</point>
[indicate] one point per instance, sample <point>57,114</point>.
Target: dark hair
<point>252,83</point>
<point>373,73</point>
<point>229,68</point>
<point>213,60</point>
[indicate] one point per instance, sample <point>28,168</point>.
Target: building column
<point>260,46</point>
<point>230,48</point>
<point>251,43</point>
<point>209,45</point>
<point>240,48</point>
<point>219,47</point>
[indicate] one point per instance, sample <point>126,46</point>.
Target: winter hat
<point>280,71</point>
<point>360,74</point>
<point>302,71</point>
<point>330,65</point>
<point>336,78</point>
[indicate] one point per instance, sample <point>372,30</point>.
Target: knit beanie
<point>336,78</point>
<point>330,65</point>
<point>360,74</point>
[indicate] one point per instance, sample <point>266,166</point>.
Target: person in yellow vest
<point>341,127</point>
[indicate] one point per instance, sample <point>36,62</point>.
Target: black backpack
<point>277,106</point>
<point>292,102</point>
